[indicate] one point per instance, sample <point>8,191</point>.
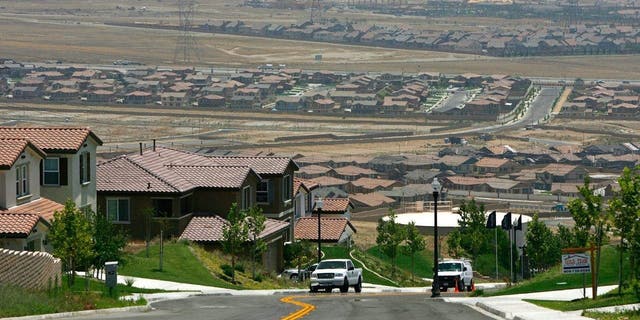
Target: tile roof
<point>10,150</point>
<point>43,207</point>
<point>314,169</point>
<point>335,205</point>
<point>51,139</point>
<point>371,183</point>
<point>210,229</point>
<point>17,224</point>
<point>214,176</point>
<point>373,199</point>
<point>353,171</point>
<point>491,162</point>
<point>301,183</point>
<point>261,165</point>
<point>126,175</point>
<point>331,228</point>
<point>325,181</point>
<point>558,169</point>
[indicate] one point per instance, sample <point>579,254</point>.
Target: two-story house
<point>67,169</point>
<point>174,185</point>
<point>25,216</point>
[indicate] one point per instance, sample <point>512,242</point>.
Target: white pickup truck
<point>455,272</point>
<point>336,273</point>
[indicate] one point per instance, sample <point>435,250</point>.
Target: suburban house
<point>25,216</point>
<point>332,229</point>
<point>335,207</point>
<point>208,230</point>
<point>174,185</point>
<point>67,169</point>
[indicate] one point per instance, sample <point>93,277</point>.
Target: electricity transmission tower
<point>187,49</point>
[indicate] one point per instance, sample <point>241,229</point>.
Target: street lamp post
<point>435,286</point>
<point>319,210</point>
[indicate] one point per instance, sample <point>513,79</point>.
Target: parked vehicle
<point>336,273</point>
<point>455,272</point>
<point>292,273</point>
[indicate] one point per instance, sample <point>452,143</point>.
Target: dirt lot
<point>73,31</point>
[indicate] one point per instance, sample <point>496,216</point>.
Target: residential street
<point>327,306</point>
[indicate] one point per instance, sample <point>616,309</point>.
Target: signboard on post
<point>576,263</point>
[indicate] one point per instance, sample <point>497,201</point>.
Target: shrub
<point>129,281</point>
<point>227,270</point>
<point>257,278</point>
<point>239,267</point>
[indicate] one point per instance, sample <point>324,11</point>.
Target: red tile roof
<point>210,229</point>
<point>301,183</point>
<point>371,183</point>
<point>325,181</point>
<point>41,206</point>
<point>215,176</point>
<point>335,205</point>
<point>330,228</point>
<point>56,140</point>
<point>170,170</point>
<point>372,199</point>
<point>353,171</point>
<point>491,162</point>
<point>17,224</point>
<point>10,150</point>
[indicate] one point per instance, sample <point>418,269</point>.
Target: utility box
<point>111,273</point>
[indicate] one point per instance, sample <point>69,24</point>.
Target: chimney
<point>140,148</point>
<point>154,145</point>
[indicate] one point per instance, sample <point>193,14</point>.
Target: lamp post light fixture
<point>435,286</point>
<point>319,211</point>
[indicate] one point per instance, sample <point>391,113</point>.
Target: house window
<point>246,198</point>
<point>85,167</point>
<point>185,205</point>
<point>262,194</point>
<point>287,189</point>
<point>118,210</point>
<point>162,207</point>
<point>22,180</point>
<point>51,171</point>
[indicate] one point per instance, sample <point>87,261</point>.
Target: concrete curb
<point>490,309</point>
<point>82,313</point>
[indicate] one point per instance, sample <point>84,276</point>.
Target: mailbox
<point>111,273</point>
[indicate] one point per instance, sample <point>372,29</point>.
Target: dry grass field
<point>73,31</point>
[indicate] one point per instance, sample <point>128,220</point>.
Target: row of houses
<point>603,100</point>
<point>187,194</point>
<point>283,90</point>
<point>522,40</point>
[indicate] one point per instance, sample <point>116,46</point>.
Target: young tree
<point>473,233</point>
<point>587,213</point>
<point>390,236</point>
<point>108,241</point>
<point>414,243</point>
<point>299,254</point>
<point>256,224</point>
<point>71,237</point>
<point>623,211</point>
<point>234,234</point>
<point>566,238</point>
<point>544,248</point>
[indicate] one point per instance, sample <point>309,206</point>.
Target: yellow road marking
<point>306,308</point>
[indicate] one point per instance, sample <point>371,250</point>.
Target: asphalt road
<point>327,306</point>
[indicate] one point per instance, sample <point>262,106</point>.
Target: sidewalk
<point>513,307</point>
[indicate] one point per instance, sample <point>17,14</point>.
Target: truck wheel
<point>345,286</point>
<point>358,286</point>
<point>470,286</point>
<point>313,289</point>
<point>461,285</point>
<point>293,277</point>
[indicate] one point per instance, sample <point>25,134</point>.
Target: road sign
<point>576,263</point>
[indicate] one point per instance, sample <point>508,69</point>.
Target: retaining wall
<point>31,270</point>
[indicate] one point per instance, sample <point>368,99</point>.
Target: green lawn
<point>16,302</point>
<point>555,280</point>
<point>179,265</point>
<point>608,299</point>
<point>381,266</point>
<point>423,262</point>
